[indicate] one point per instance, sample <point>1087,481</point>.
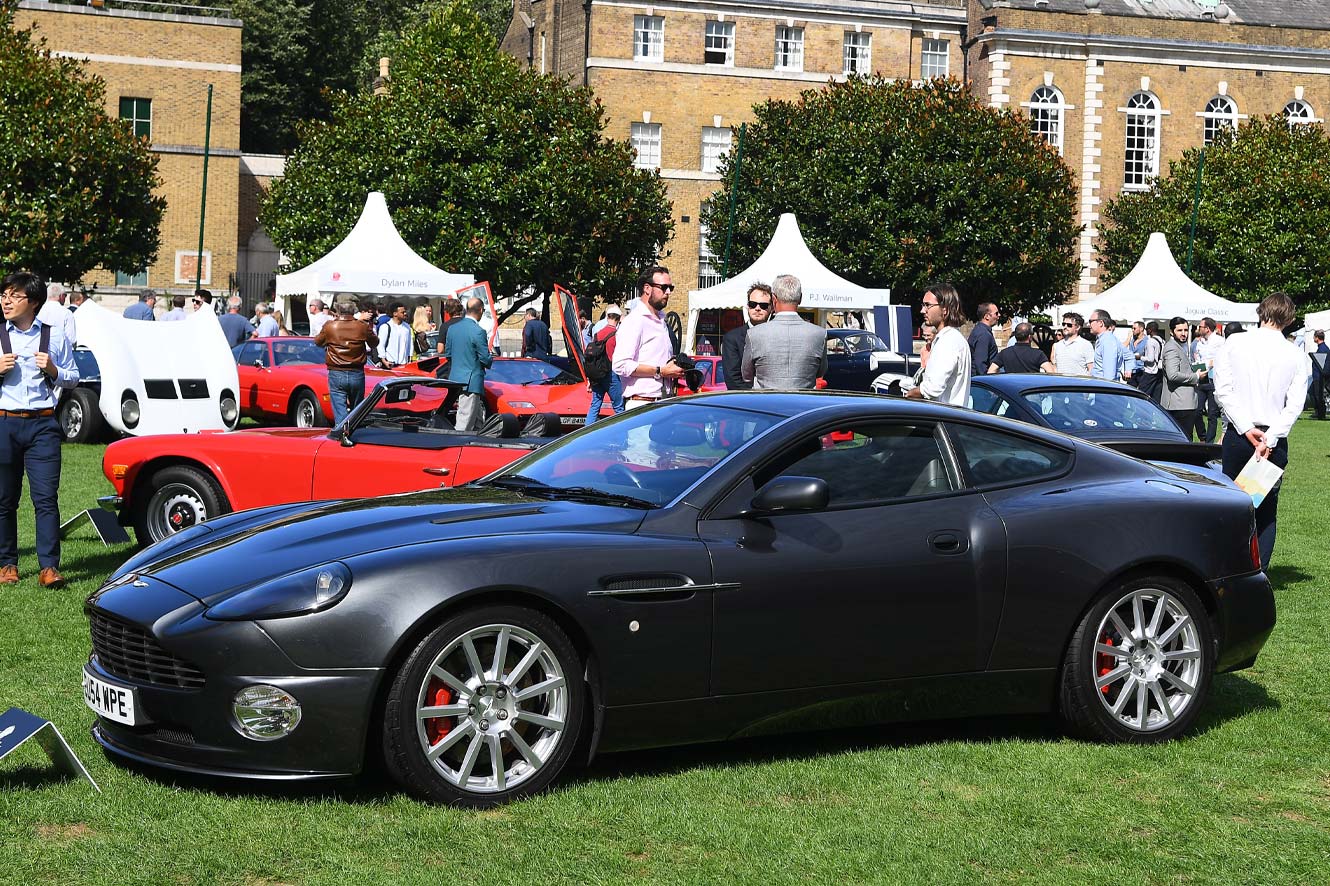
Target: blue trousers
<point>30,446</point>
<point>610,387</point>
<point>1235,453</point>
<point>346,388</point>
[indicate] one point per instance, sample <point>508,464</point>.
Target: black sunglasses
<point>1068,325</point>
<point>668,287</point>
<point>764,305</point>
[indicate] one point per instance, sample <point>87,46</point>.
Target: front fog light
<point>265,713</point>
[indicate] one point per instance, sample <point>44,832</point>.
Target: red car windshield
<point>297,353</point>
<point>529,372</point>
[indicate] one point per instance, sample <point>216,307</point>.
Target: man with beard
<point>644,354</point>
<point>736,340</point>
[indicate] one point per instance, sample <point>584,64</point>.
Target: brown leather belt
<point>26,413</point>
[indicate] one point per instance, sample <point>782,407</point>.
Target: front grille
<point>131,653</point>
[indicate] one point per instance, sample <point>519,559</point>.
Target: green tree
<point>488,169</point>
<point>896,185</point>
<point>76,186</point>
<point>1264,211</point>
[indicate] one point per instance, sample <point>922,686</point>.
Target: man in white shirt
<point>395,337</point>
<point>317,316</point>
<point>946,378</point>
<point>54,313</point>
<point>1073,355</point>
<point>1209,341</point>
<point>1261,384</point>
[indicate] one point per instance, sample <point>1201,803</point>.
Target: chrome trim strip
<point>641,592</point>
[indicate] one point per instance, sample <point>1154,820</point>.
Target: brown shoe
<point>50,577</point>
<point>8,574</point>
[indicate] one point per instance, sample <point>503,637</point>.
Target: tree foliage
<point>896,185</point>
<point>76,186</point>
<point>488,168</point>
<point>1264,211</point>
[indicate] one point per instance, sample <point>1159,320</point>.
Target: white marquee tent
<point>787,253</point>
<point>1157,289</point>
<point>372,260</point>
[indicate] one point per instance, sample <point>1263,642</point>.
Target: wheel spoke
<point>540,720</point>
<point>463,690</point>
<point>1177,681</point>
<point>449,740</point>
<point>1160,606</point>
<point>1160,699</point>
<point>469,761</point>
<point>540,688</point>
<point>1142,705</point>
<point>524,749</point>
<point>1115,651</point>
<point>1113,676</point>
<point>1123,631</point>
<point>1181,622</point>
<point>1137,616</point>
<point>1128,690</point>
<point>473,658</point>
<point>525,664</point>
<point>1182,655</point>
<point>443,710</point>
<point>500,653</point>
<point>496,762</point>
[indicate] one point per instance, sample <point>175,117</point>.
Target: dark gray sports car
<point>708,567</point>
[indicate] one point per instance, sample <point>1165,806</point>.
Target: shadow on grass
<point>1232,696</point>
<point>34,777</point>
<point>98,566</point>
<point>1282,576</point>
<point>371,787</point>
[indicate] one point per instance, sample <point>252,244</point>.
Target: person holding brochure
<point>1261,384</point>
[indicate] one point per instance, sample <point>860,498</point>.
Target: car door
<point>246,354</point>
<point>902,574</point>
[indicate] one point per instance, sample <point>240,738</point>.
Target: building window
<point>138,113</point>
<point>645,138</point>
<point>708,268</point>
<point>1299,113</point>
<point>140,279</point>
<point>1220,113</point>
<point>934,61</point>
<point>789,48</point>
<point>1142,141</point>
<point>715,144</point>
<point>720,43</point>
<point>1046,107</point>
<point>857,53</point>
<point>648,38</point>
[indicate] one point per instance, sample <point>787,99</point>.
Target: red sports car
<point>397,440</point>
<point>286,378</point>
<point>522,386</point>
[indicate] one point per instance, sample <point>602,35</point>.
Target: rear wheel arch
<point>1167,569</point>
<point>305,391</point>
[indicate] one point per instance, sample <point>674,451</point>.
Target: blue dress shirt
<point>27,387</point>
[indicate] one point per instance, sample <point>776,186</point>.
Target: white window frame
<point>649,38</point>
<point>1141,151</point>
<point>857,53</point>
<point>1215,119</point>
<point>722,34</point>
<point>716,143</point>
<point>645,139</point>
<point>934,58</point>
<point>708,268</point>
<point>1299,113</point>
<point>789,48</point>
<point>1048,115</point>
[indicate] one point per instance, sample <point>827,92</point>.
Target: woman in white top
<point>946,378</point>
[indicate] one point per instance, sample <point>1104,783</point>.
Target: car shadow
<point>1284,575</point>
<point>97,567</point>
<point>1233,696</point>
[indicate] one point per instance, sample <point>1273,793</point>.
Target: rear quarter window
<point>994,457</point>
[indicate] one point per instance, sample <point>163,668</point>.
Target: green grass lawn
<point>1246,799</point>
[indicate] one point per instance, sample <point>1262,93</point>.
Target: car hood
<point>220,557</point>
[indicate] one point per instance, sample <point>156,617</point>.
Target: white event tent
<point>373,260</point>
<point>1157,289</point>
<point>787,253</point>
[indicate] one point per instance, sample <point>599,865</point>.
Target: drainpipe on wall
<point>586,42</point>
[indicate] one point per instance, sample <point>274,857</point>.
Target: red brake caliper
<point>438,694</point>
<point>1105,661</point>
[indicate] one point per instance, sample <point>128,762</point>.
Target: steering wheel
<point>621,476</point>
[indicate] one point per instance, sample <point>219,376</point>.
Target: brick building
<point>1120,86</point>
<point>157,68</point>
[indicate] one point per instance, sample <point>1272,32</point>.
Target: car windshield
<point>1093,412</point>
<point>529,372</point>
<point>649,455</point>
<point>297,353</point>
<point>859,343</point>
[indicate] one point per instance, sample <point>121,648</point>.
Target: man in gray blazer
<point>786,353</point>
<point>1179,383</point>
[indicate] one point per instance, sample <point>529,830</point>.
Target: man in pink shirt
<point>643,353</point>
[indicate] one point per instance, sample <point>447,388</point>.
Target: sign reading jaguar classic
<point>706,567</point>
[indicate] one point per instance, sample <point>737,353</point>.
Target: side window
<point>246,354</point>
<point>874,463</point>
<point>998,457</point>
<point>984,400</point>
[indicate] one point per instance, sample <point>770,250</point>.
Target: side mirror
<point>786,495</point>
<point>258,363</point>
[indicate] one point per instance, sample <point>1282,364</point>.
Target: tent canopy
<point>372,260</point>
<point>1157,289</point>
<point>1318,320</point>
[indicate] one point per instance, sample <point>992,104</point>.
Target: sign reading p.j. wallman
<point>17,726</point>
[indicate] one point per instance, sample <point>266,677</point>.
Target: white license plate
<point>570,420</point>
<point>118,703</point>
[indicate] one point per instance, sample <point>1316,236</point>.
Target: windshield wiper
<point>518,482</point>
<point>589,493</point>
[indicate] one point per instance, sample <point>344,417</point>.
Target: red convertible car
<point>522,386</point>
<point>285,378</point>
<point>398,440</point>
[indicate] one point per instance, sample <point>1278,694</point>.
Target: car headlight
<point>300,593</point>
<point>129,409</point>
<point>229,408</point>
<point>265,713</point>
<point>521,404</point>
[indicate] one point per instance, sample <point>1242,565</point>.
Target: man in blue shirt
<point>267,322</point>
<point>1108,356</point>
<point>536,340</point>
<point>468,353</point>
<point>235,327</point>
<point>983,347</point>
<point>142,309</point>
<point>35,359</point>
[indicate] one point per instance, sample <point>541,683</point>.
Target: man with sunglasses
<point>644,353</point>
<point>1073,355</point>
<point>736,340</point>
<point>788,353</point>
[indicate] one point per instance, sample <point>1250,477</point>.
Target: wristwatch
<point>657,375</point>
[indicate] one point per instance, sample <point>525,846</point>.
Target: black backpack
<point>596,360</point>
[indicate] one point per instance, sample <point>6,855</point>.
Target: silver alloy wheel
<point>72,418</point>
<point>493,709</point>
<point>1147,659</point>
<point>173,508</point>
<point>305,413</point>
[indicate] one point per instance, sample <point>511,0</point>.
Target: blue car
<point>856,357</point>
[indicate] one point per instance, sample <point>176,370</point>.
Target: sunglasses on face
<point>1068,325</point>
<point>764,305</point>
<point>666,287</point>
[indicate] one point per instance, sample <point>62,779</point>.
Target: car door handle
<point>948,543</point>
<point>438,472</point>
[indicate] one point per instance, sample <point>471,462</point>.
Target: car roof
<point>1017,383</point>
<point>788,403</point>
<point>846,333</point>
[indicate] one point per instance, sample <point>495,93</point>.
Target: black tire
<point>173,499</point>
<point>1173,676</point>
<point>489,713</point>
<point>80,416</point>
<point>306,411</point>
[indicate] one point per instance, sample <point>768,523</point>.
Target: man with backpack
<point>602,381</point>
